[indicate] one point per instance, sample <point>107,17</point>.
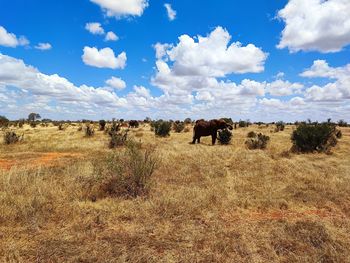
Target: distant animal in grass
<point>133,124</point>
<point>209,128</point>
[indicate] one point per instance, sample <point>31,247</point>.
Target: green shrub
<point>251,134</point>
<point>225,136</point>
<point>258,142</point>
<point>11,137</point>
<point>162,128</point>
<point>178,126</point>
<point>125,173</point>
<point>310,137</point>
<point>243,124</point>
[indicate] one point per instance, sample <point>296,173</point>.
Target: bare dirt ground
<point>206,204</point>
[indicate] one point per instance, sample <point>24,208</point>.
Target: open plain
<point>205,204</point>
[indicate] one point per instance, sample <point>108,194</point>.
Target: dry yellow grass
<point>207,203</point>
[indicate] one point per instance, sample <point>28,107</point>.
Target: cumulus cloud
<point>103,58</point>
<point>43,46</point>
<point>214,56</point>
<point>111,36</point>
<point>315,25</point>
<point>338,90</point>
<point>284,88</point>
<point>116,83</point>
<point>122,8</point>
<point>95,28</point>
<point>11,40</point>
<point>51,88</point>
<point>170,12</point>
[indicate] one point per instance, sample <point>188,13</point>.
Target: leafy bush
<point>61,126</point>
<point>11,137</point>
<point>310,137</point>
<point>33,124</point>
<point>124,173</point>
<point>162,128</point>
<point>225,136</point>
<point>102,124</point>
<point>258,142</point>
<point>279,126</point>
<point>178,126</point>
<point>251,134</point>
<point>89,131</point>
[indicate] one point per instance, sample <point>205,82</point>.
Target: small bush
<point>225,136</point>
<point>117,138</point>
<point>310,137</point>
<point>124,173</point>
<point>258,142</point>
<point>187,129</point>
<point>251,134</point>
<point>178,126</point>
<point>4,122</point>
<point>60,127</point>
<point>11,137</point>
<point>102,124</point>
<point>89,131</point>
<point>162,128</point>
<point>33,124</point>
<point>280,126</point>
<point>80,128</point>
<point>338,134</point>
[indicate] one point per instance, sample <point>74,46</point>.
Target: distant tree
<point>147,120</point>
<point>3,121</point>
<point>187,120</point>
<point>33,116</point>
<point>342,123</point>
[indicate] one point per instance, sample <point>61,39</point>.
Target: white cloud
<point>214,56</point>
<point>315,25</point>
<point>283,88</point>
<point>95,28</point>
<point>43,46</point>
<point>170,12</point>
<point>121,8</point>
<point>116,83</point>
<point>11,40</point>
<point>51,88</point>
<point>103,58</point>
<point>111,36</point>
<point>338,90</point>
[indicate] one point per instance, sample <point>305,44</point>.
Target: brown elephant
<point>209,128</point>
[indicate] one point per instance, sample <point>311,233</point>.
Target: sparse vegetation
<point>61,198</point>
<point>280,126</point>
<point>178,126</point>
<point>251,134</point>
<point>259,141</point>
<point>10,137</point>
<point>89,130</point>
<point>124,174</point>
<point>117,138</point>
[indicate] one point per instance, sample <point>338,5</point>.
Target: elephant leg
<point>194,139</point>
<point>199,139</point>
<point>213,138</point>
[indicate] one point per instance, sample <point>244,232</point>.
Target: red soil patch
<point>36,159</point>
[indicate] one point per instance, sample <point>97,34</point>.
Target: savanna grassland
<point>204,204</point>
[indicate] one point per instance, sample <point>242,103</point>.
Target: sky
<point>261,60</point>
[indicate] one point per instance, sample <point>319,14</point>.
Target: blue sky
<point>283,69</point>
